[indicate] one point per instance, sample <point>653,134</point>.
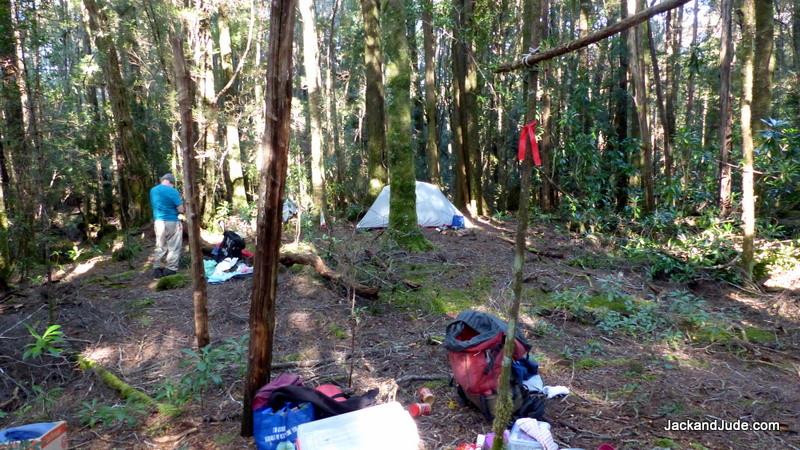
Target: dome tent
<point>433,210</point>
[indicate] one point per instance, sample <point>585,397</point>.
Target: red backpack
<point>475,351</point>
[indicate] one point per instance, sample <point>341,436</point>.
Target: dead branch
<point>532,59</point>
<point>412,378</point>
<point>310,259</point>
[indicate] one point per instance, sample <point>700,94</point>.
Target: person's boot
<point>158,272</point>
<point>167,272</point>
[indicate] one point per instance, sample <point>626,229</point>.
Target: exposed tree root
<point>310,259</point>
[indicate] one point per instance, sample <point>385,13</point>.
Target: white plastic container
<point>386,427</point>
<point>518,440</point>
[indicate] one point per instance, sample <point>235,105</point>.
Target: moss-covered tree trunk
<point>403,226</point>
<point>131,163</point>
<point>374,112</point>
<point>275,143</point>
<point>532,35</point>
<point>748,200</point>
<point>311,65</point>
<point>429,44</point>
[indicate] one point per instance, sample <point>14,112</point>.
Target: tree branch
<point>532,59</point>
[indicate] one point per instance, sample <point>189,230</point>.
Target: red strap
<point>528,135</point>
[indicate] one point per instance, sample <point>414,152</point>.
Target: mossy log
<point>310,259</point>
<point>125,390</point>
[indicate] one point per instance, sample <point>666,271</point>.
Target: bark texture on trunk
<point>275,142</point>
<point>311,65</point>
<point>375,115</point>
<point>621,117</point>
<point>748,199</point>
<point>431,143</point>
<point>185,91</point>
<point>662,115</point>
<point>763,63</point>
<point>233,152</point>
<point>131,164</point>
<point>725,110</point>
<point>640,99</point>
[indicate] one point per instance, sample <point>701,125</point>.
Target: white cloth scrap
<point>555,391</point>
<point>539,431</point>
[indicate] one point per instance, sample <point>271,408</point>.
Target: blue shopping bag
<point>271,428</point>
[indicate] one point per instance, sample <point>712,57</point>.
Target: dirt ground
<point>624,389</point>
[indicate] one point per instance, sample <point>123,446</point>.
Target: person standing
<point>166,203</point>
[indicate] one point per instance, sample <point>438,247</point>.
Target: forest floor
<point>634,350</point>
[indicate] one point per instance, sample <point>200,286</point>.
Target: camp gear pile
<point>475,351</point>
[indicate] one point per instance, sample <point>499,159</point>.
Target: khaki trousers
<point>168,245</point>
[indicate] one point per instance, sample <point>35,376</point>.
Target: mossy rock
<point>176,281</point>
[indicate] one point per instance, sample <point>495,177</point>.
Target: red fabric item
<point>247,253</point>
<point>332,391</point>
<point>478,368</point>
<point>285,379</point>
<point>528,135</point>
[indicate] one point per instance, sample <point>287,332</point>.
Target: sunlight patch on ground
<point>788,279</point>
<point>301,321</point>
<point>84,267</point>
<point>99,354</point>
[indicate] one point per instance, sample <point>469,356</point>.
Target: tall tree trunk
<point>466,75</point>
<point>207,113</point>
<point>131,162</point>
<point>461,161</point>
<point>14,142</point>
<point>333,113</point>
<point>403,199</point>
<point>275,144</point>
<point>662,114</point>
<point>686,155</point>
<point>504,407</point>
<point>748,199</point>
<point>185,95</point>
<point>431,144</point>
<point>311,65</point>
<point>725,121</point>
<point>621,117</point>
<point>375,115</point>
<point>673,79</point>
<point>640,99</point>
<point>763,67</point>
<point>233,151</point>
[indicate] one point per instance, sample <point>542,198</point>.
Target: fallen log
<point>125,390</point>
<point>309,259</point>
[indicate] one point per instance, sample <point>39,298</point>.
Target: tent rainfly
<point>433,210</point>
